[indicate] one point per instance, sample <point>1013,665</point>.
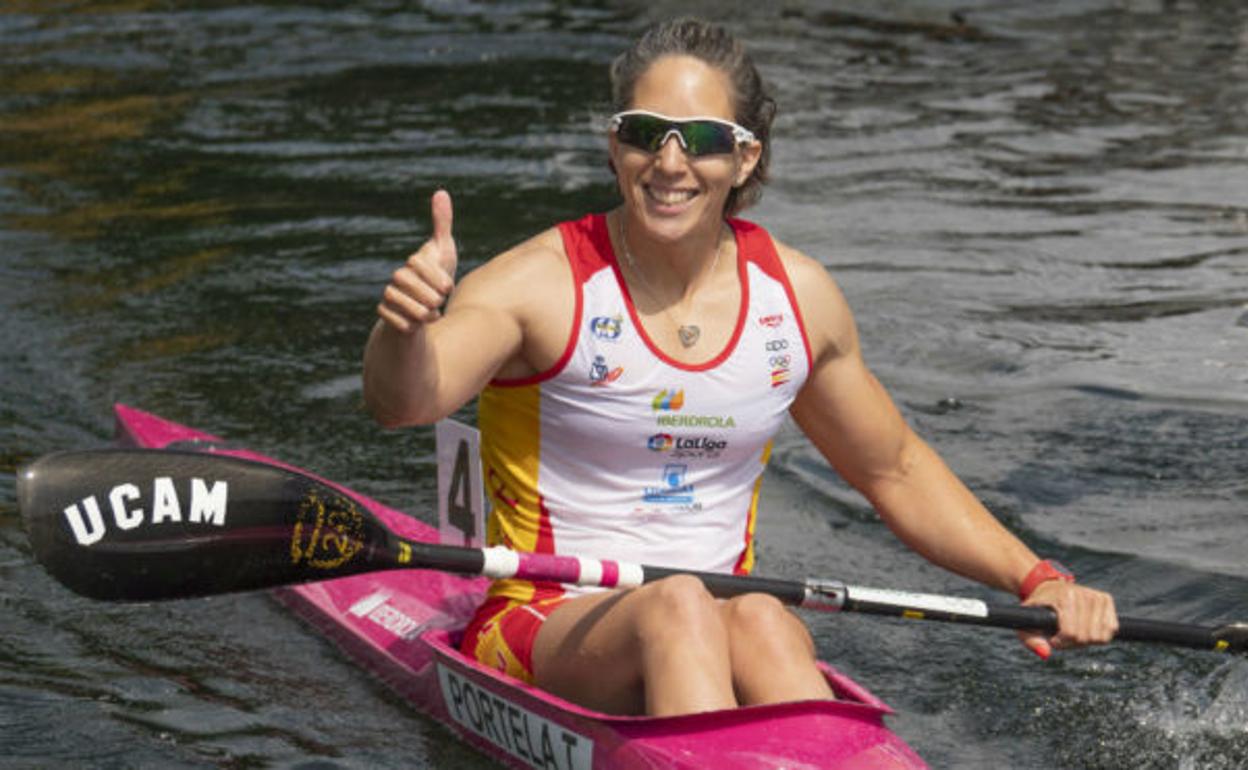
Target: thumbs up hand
<point>418,289</point>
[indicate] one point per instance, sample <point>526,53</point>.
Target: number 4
<point>458,504</point>
<point>461,492</point>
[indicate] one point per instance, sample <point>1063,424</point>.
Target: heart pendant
<point>689,335</point>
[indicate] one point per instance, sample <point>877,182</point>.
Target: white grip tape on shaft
<point>500,562</point>
<point>922,602</point>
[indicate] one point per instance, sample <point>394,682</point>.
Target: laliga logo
<point>686,446</point>
<point>660,442</point>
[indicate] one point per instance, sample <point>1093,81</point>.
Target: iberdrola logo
<point>673,400</point>
<point>668,400</point>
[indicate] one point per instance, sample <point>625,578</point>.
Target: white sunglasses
<point>698,136</point>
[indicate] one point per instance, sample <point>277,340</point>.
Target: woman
<point>627,406</point>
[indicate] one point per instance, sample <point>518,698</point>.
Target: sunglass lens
<point>644,132</point>
<point>704,137</point>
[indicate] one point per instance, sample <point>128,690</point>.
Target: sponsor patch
<point>673,489</point>
<point>695,421</point>
<point>376,609</point>
<point>601,375</point>
<point>660,442</point>
<point>607,328</point>
<point>672,400</point>
<point>686,446</point>
<point>779,362</point>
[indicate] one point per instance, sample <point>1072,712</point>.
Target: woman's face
<point>671,194</point>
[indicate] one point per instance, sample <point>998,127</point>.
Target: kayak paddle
<point>147,524</point>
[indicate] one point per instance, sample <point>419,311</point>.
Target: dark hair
<point>716,46</point>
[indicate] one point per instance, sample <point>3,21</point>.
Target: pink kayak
<point>403,625</point>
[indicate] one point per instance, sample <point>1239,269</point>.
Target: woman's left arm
<point>851,419</point>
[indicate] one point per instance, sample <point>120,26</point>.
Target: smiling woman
<point>676,193</point>
<point>578,375</point>
<point>1037,215</point>
<point>751,105</point>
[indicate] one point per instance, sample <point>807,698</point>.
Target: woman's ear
<point>749,156</point>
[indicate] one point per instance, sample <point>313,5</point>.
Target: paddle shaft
<point>135,524</point>
<point>825,595</point>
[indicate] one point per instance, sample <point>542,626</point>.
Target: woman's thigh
<point>660,648</point>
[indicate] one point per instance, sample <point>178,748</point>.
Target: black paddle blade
<point>143,524</point>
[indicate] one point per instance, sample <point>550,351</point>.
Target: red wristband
<point>1044,571</point>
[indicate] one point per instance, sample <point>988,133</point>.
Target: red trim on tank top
<point>754,244</point>
<point>569,232</point>
<point>742,312</point>
<point>763,252</point>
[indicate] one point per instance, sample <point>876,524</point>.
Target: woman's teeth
<point>670,197</point>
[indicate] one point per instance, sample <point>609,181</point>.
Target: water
<point>1039,214</point>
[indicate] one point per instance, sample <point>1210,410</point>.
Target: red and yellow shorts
<point>501,633</point>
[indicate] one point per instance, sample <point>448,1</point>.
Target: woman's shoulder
<point>554,258</point>
<point>531,283</point>
<point>799,266</point>
<point>804,271</point>
<point>824,308</point>
<point>539,258</point>
<point>540,249</point>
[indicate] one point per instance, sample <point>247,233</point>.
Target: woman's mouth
<point>669,196</point>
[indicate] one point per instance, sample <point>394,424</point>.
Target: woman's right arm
<point>419,377</point>
<point>422,363</point>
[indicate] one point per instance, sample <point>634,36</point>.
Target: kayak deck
<point>404,626</point>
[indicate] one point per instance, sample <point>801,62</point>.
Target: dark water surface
<point>1040,215</point>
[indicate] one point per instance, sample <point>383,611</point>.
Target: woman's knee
<point>762,621</point>
<point>679,605</point>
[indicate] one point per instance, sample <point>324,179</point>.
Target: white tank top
<point>621,452</point>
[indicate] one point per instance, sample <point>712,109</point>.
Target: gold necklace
<point>688,333</point>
